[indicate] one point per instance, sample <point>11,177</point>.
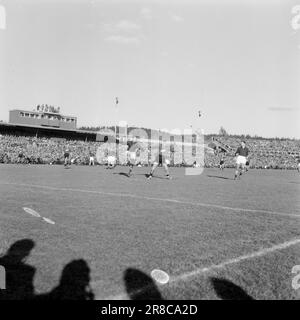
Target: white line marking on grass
<point>252,255</point>
<point>32,212</point>
<point>35,214</point>
<point>198,204</point>
<point>48,220</point>
<point>185,276</point>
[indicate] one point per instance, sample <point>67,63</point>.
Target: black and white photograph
<point>149,150</point>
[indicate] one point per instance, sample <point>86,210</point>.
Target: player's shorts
<point>92,159</point>
<point>241,160</point>
<point>111,160</point>
<point>66,155</point>
<point>221,162</point>
<point>131,158</point>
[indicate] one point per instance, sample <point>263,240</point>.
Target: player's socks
<point>235,175</point>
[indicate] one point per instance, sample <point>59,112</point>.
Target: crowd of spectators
<point>264,153</point>
<point>22,149</point>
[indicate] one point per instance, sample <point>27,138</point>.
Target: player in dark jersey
<point>133,148</point>
<point>218,151</point>
<point>21,157</point>
<point>241,153</point>
<point>160,160</point>
<point>222,163</point>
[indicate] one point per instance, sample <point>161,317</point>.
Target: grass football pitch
<point>216,238</point>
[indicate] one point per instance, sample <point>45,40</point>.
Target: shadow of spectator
<point>74,283</point>
<point>226,290</point>
<point>19,275</point>
<point>139,286</point>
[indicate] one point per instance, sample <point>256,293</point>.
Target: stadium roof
<point>39,112</point>
<point>17,125</point>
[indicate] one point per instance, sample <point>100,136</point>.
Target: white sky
<point>237,61</point>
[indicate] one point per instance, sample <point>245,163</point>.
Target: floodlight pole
<point>116,108</point>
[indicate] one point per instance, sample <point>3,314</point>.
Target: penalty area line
<point>187,275</point>
<point>239,259</point>
<point>135,196</point>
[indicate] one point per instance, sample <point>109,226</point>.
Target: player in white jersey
<point>67,157</point>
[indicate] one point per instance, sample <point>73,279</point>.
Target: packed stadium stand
<point>25,147</point>
<point>40,137</point>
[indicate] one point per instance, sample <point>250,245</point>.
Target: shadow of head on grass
<point>19,274</point>
<point>74,283</point>
<point>226,290</point>
<point>140,286</point>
